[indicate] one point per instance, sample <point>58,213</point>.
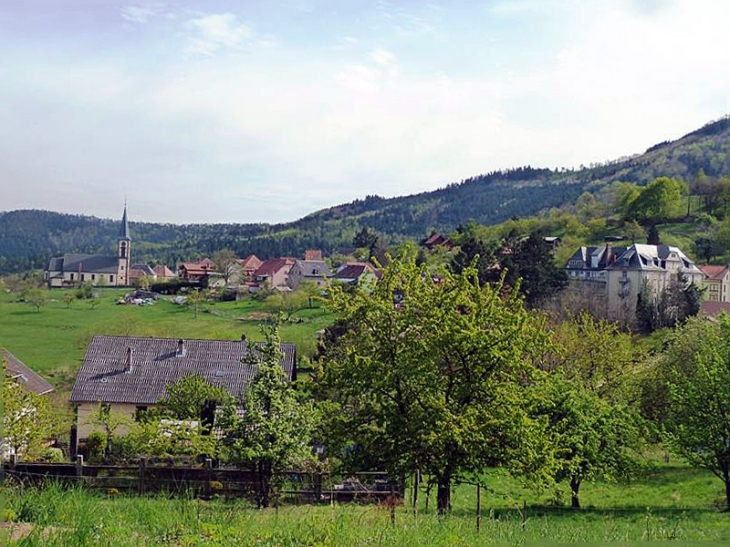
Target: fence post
<point>317,486</point>
<point>208,466</point>
<point>479,507</point>
<point>392,504</point>
<point>141,475</point>
<point>79,465</point>
<point>416,486</point>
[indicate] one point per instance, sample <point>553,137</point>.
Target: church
<point>74,269</point>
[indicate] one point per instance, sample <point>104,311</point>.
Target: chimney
<point>609,253</point>
<point>128,362</point>
<point>243,338</point>
<point>180,348</point>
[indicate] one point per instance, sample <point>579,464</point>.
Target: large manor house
<point>72,269</point>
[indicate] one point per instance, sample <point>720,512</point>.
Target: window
<point>139,413</point>
<point>111,279</point>
<point>93,277</point>
<point>83,277</point>
<point>72,277</point>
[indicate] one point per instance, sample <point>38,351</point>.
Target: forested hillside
<point>29,238</point>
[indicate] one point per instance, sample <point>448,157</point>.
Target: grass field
<point>53,340</point>
<point>673,505</point>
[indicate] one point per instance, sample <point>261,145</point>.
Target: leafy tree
<point>530,262</point>
<point>225,262</point>
<point>699,409</point>
<point>27,420</point>
<point>194,299</point>
<point>670,307</point>
<point>593,438</point>
<point>633,230</point>
<point>365,239</point>
<point>435,382</point>
<point>68,299</point>
<point>474,249</point>
<point>191,398</point>
<point>35,297</point>
<point>165,437</point>
<point>652,236</point>
<point>659,200</point>
<point>111,422</point>
<point>287,303</point>
<point>705,248</point>
<point>274,431</point>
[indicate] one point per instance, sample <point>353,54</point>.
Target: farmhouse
<point>24,376</point>
<point>73,269</point>
<point>314,271</point>
<point>717,282</point>
<point>353,273</point>
<point>131,374</point>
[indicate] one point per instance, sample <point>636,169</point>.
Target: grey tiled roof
<point>24,376</point>
<point>155,363</point>
<point>90,263</point>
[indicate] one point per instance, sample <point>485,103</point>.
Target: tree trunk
<point>264,485</point>
<point>574,488</point>
<point>726,480</point>
<point>443,493</point>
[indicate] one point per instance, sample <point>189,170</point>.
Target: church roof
<point>124,227</point>
<point>90,263</point>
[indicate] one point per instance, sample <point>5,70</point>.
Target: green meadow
<point>670,506</point>
<point>52,341</point>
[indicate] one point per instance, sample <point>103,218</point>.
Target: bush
<point>96,447</point>
<point>53,455</point>
<point>173,287</point>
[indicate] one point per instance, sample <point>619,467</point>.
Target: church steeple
<point>124,228</point>
<point>124,250</point>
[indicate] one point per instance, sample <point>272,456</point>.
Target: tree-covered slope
<point>29,238</point>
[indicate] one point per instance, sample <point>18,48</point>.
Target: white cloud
<point>137,14</point>
<point>381,56</point>
<point>212,32</point>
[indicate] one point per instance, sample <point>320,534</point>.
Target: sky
<point>265,111</point>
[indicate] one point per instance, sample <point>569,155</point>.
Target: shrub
<point>96,446</point>
<point>53,455</point>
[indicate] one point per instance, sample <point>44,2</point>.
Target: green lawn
<point>53,340</point>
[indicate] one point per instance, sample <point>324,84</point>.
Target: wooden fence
<point>206,481</point>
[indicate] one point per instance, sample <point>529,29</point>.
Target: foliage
<point>433,383</point>
<point>225,262</point>
<point>699,410</point>
<point>189,398</point>
<point>27,420</point>
<point>658,201</point>
<point>474,251</point>
<point>286,303</point>
<point>35,297</point>
<point>96,446</point>
<point>274,429</point>
<point>670,307</point>
<point>166,437</point>
<point>112,422</point>
<point>529,265</point>
<point>194,299</point>
<point>593,438</point>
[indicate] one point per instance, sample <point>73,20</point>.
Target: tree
<point>473,248</point>
<point>652,235</point>
<point>530,261</point>
<point>286,303</point>
<point>27,420</point>
<point>35,297</point>
<point>191,398</point>
<point>678,301</point>
<point>111,422</point>
<point>633,230</point>
<point>274,431</point>
<point>705,248</point>
<point>225,262</point>
<point>434,383</point>
<point>699,409</point>
<point>68,299</point>
<point>194,299</point>
<point>365,239</point>
<point>659,200</point>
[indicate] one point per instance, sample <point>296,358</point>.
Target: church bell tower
<point>124,249</point>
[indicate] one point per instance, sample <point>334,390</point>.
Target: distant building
<point>716,282</point>
<point>163,273</point>
<point>196,271</point>
<point>139,271</point>
<point>314,271</point>
<point>617,274</point>
<point>437,240</point>
<point>273,274</point>
<point>353,273</point>
<point>73,269</point>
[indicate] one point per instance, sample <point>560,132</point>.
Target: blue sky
<point>264,111</point>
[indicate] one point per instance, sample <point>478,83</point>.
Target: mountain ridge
<point>29,237</point>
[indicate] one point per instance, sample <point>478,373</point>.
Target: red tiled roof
<point>270,267</point>
<point>163,271</point>
<point>712,309</point>
<point>712,271</point>
<point>312,254</point>
<point>353,270</point>
<point>251,262</point>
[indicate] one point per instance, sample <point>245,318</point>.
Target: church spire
<point>124,228</point>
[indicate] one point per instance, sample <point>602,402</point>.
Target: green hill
<point>29,237</point>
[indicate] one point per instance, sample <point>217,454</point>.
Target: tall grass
<point>74,517</point>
